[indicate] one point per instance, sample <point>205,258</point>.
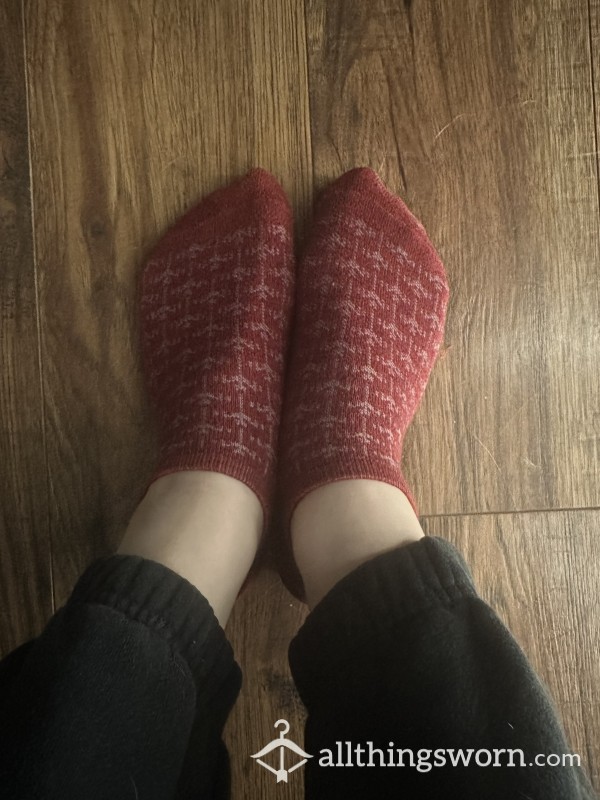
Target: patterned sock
<point>371,305</point>
<point>215,305</point>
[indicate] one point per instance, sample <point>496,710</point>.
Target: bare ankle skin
<point>203,525</point>
<point>337,527</point>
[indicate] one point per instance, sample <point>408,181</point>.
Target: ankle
<point>337,527</point>
<point>207,484</point>
<point>205,526</point>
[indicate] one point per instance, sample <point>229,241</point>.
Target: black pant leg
<point>123,695</point>
<point>404,651</point>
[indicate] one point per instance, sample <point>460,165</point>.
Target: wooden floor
<point>117,116</point>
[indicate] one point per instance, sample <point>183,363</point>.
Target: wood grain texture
<point>137,111</point>
<point>594,10</point>
<point>480,115</point>
<point>25,575</point>
<point>539,571</point>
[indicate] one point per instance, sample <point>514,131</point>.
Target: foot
<point>215,306</point>
<point>371,304</point>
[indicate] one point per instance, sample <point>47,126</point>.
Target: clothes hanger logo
<point>281,744</point>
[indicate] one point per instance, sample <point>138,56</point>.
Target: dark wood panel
<point>25,594</point>
<point>480,115</point>
<point>137,111</point>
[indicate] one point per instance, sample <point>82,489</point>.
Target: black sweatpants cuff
<point>125,692</point>
<point>379,594</point>
<point>166,603</point>
<point>403,653</point>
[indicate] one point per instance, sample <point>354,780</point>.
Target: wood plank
<point>137,111</point>
<point>480,116</point>
<point>594,155</point>
<point>25,590</point>
<point>539,571</point>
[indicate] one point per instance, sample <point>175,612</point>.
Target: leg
<point>403,659</point>
<point>339,526</point>
<point>398,652</point>
<point>205,526</point>
<point>127,690</point>
<point>108,699</point>
<point>370,310</point>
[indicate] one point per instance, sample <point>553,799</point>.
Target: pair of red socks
<point>284,375</point>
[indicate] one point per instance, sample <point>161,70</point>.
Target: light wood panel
<point>137,110</point>
<point>480,115</point>
<point>25,592</point>
<point>539,571</point>
<point>594,155</point>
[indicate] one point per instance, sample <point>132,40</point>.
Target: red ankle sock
<point>215,305</point>
<point>371,303</point>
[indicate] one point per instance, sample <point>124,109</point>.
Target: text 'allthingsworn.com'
<point>346,754</point>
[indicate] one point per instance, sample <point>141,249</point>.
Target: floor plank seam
<point>509,512</point>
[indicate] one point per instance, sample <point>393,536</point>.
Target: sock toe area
<point>362,195</point>
<point>257,196</point>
